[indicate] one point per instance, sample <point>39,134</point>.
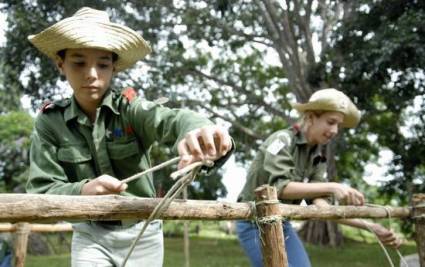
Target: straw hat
<point>91,28</point>
<point>332,100</point>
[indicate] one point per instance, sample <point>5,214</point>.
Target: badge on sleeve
<point>46,106</point>
<point>129,93</point>
<point>275,147</point>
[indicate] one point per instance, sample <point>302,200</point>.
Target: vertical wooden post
<point>418,202</point>
<point>21,240</point>
<point>271,232</point>
<point>186,236</point>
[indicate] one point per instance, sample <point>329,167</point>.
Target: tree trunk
<point>322,233</point>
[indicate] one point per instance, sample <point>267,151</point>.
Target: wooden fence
<point>30,208</point>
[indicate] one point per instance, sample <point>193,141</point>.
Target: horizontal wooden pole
<point>342,212</point>
<point>34,227</point>
<point>52,208</point>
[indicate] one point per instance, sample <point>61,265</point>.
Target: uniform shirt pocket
<point>77,162</point>
<point>125,156</point>
<point>119,150</point>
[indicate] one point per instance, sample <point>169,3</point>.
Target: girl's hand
<point>347,195</point>
<point>386,236</point>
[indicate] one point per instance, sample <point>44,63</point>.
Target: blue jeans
<point>249,238</point>
<point>7,261</point>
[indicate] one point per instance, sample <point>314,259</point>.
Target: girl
<point>292,161</point>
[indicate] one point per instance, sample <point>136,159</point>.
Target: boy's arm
<point>46,175</point>
<point>191,135</point>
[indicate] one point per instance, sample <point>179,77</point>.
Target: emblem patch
<point>275,146</point>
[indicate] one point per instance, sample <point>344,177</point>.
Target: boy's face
<point>89,72</point>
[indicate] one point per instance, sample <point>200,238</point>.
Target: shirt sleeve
<point>156,123</point>
<point>46,175</point>
<point>279,162</point>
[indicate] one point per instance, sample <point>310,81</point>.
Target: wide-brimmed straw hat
<point>332,100</point>
<point>91,28</point>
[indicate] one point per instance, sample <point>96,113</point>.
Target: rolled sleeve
<point>279,162</point>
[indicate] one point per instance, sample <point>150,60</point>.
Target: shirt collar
<point>300,139</point>
<point>108,102</point>
<point>74,111</point>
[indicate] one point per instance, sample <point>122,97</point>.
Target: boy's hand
<point>103,185</point>
<point>209,142</point>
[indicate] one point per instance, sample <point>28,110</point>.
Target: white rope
<point>155,168</point>
<point>388,211</point>
<point>175,190</point>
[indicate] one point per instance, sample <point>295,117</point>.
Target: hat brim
<point>351,114</point>
<point>74,33</point>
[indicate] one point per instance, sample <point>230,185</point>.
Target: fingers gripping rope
<point>388,211</point>
<point>175,190</point>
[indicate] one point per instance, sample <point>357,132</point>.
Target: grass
<point>208,252</point>
<point>211,247</point>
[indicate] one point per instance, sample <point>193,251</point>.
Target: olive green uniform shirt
<point>284,157</point>
<point>67,149</point>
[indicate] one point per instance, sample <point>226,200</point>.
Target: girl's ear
<point>308,119</point>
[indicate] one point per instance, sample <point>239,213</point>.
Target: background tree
<point>15,129</point>
<point>379,57</point>
<point>243,62</point>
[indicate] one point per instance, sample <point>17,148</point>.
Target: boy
<point>88,143</point>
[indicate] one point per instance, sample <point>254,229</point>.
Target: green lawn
<point>209,252</point>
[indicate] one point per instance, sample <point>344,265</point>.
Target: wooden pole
<point>418,202</point>
<point>271,231</point>
<point>186,236</point>
<point>59,227</point>
<point>21,241</point>
<point>53,208</point>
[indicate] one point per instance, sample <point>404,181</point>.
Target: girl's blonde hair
<point>302,121</point>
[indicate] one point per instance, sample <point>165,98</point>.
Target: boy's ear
<point>59,64</point>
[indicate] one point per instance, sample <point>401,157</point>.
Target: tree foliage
<point>244,61</point>
<point>378,56</point>
<point>15,129</point>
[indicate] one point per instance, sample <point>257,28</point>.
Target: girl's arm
<point>343,193</point>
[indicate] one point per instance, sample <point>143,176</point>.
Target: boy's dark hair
<point>61,54</point>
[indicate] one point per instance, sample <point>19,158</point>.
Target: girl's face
<point>322,128</point>
<point>89,72</point>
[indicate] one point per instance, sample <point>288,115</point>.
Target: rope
<point>388,211</point>
<point>190,167</point>
<point>155,168</point>
<point>270,219</point>
<point>175,190</point>
<point>380,243</point>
